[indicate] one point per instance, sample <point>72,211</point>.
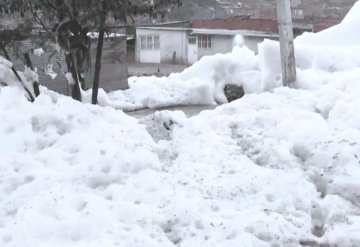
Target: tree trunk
<point>75,88</point>
<point>94,99</point>
<point>71,62</point>
<point>97,67</point>
<point>29,64</point>
<point>32,99</point>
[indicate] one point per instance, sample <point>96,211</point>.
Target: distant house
<point>186,44</point>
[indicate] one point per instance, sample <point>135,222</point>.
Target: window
<point>192,40</point>
<point>143,43</point>
<point>150,42</point>
<point>156,42</point>
<point>298,13</point>
<point>204,41</point>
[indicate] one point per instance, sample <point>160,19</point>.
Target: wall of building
<point>173,45</point>
<point>224,44</point>
<point>219,44</point>
<point>176,41</point>
<point>113,74</point>
<point>59,84</point>
<point>253,42</point>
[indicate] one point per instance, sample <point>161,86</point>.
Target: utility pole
<point>286,42</point>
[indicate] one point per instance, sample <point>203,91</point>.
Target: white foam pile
<point>275,168</point>
<point>331,50</point>
<point>8,78</point>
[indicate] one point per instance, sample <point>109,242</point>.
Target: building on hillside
<point>308,12</point>
<point>187,43</point>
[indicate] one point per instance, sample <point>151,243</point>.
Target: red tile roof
<point>324,23</point>
<point>269,26</point>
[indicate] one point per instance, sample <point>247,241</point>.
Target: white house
<point>161,45</point>
<point>186,45</point>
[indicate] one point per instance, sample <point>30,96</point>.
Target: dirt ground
<point>112,75</point>
<point>146,69</point>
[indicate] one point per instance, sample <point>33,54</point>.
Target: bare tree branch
<point>39,20</point>
<point>32,99</point>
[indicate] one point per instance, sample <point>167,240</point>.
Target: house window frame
<point>299,12</point>
<point>204,41</point>
<point>142,42</point>
<point>150,42</point>
<point>192,40</point>
<point>156,41</point>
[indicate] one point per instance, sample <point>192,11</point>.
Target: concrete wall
<point>130,49</point>
<point>59,84</point>
<point>224,44</point>
<point>170,41</point>
<point>177,41</point>
<point>113,75</point>
<point>252,43</point>
<point>219,44</point>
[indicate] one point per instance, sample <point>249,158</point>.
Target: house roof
<point>222,32</point>
<point>225,32</point>
<point>164,28</point>
<point>234,26</point>
<point>260,25</point>
<point>175,24</point>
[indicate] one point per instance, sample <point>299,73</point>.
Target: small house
<point>186,44</point>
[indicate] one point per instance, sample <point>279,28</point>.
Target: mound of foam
<point>58,157</point>
<point>202,83</point>
<point>343,34</point>
<point>334,49</point>
<point>8,78</point>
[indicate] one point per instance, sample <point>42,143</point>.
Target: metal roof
<point>249,33</point>
<point>222,32</point>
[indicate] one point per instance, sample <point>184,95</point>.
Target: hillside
<point>303,11</point>
<point>195,9</point>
